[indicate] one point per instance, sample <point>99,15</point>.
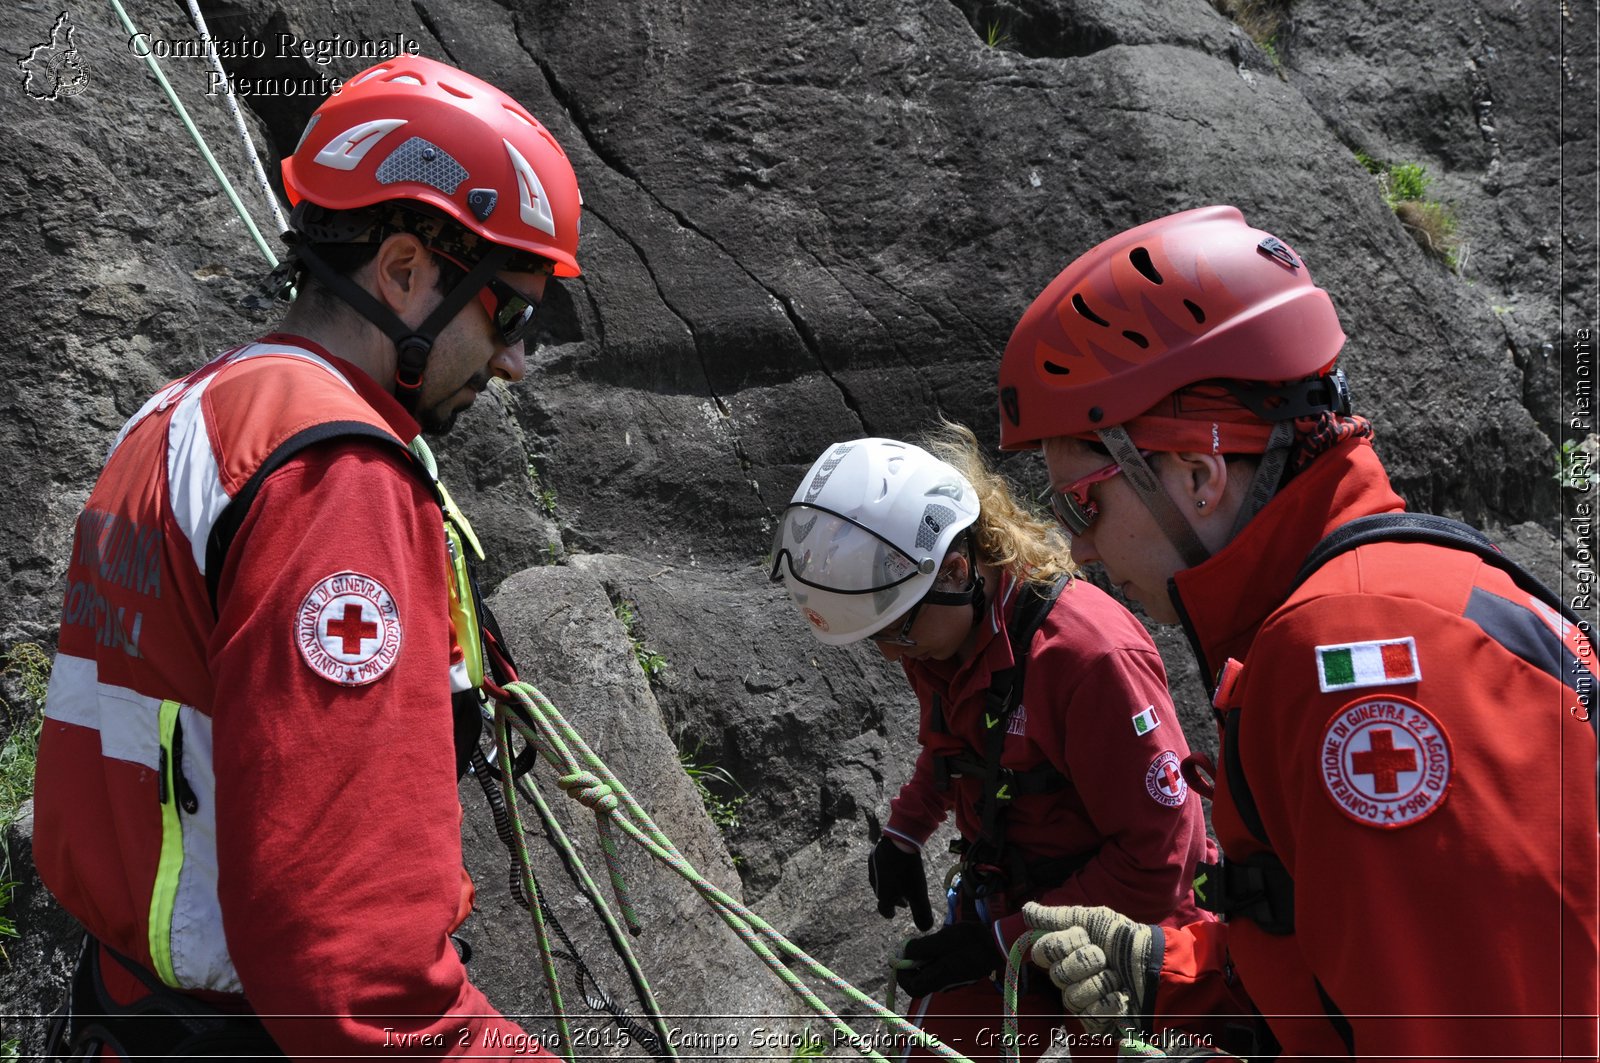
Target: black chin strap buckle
<point>413,351</point>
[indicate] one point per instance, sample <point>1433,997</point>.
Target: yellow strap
<point>164,894</point>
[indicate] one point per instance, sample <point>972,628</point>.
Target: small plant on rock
<point>709,777</point>
<point>653,663</point>
<point>1431,223</point>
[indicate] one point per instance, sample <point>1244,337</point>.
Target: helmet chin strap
<point>972,593</point>
<point>1144,481</point>
<point>412,345</point>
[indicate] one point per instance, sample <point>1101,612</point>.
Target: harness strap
<point>1000,784</point>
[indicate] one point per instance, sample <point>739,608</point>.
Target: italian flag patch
<point>1146,721</point>
<point>1384,663</point>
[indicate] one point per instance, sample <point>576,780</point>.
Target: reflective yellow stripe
<point>463,607</point>
<point>164,895</point>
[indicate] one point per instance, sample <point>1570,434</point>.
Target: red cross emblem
<point>348,629</point>
<point>352,629</point>
<point>1164,782</point>
<point>1385,762</point>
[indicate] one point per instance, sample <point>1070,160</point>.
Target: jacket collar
<point>1225,600</point>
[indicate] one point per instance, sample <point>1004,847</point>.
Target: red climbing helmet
<point>412,128</point>
<point>1194,296</point>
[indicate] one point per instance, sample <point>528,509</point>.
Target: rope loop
<point>586,788</point>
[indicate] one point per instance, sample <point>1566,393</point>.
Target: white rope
<point>238,118</point>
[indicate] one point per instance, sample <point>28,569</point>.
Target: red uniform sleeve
<point>920,807</point>
<point>1151,829</point>
<point>1436,923</point>
<point>339,844</point>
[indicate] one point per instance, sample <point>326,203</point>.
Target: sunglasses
<point>1073,507</point>
<point>510,310</point>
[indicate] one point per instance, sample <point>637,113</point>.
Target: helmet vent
<point>460,94</point>
<point>1053,368</point>
<point>1141,262</point>
<point>1083,309</point>
<point>1136,338</point>
<point>1198,314</point>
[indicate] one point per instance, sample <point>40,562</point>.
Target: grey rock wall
<point>807,220</point>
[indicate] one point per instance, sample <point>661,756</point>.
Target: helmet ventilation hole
<point>1136,338</point>
<point>1083,309</point>
<point>1058,370</point>
<point>1198,314</point>
<point>1141,262</point>
<point>452,90</point>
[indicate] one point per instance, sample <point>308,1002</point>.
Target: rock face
<point>806,220</point>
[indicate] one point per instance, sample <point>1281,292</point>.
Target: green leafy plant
<point>26,669</point>
<point>810,1047</point>
<point>1431,223</point>
<point>653,663</point>
<point>711,781</point>
<point>994,36</point>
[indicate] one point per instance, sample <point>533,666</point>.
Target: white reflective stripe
<point>533,203</point>
<point>345,151</point>
<point>129,723</point>
<point>460,678</point>
<point>194,483</point>
<point>200,957</point>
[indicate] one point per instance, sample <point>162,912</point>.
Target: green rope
<point>188,123</point>
<point>569,855</point>
<point>1015,961</point>
<point>530,889</point>
<point>565,749</point>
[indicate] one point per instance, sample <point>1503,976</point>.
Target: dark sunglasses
<point>510,310</point>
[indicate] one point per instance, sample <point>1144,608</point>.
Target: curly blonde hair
<point>1007,534</point>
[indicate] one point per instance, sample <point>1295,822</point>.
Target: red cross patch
<point>1164,780</point>
<point>348,629</point>
<point>1385,762</point>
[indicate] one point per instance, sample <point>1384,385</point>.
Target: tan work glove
<point>1101,962</point>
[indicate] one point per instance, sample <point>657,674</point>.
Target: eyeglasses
<point>889,637</point>
<point>510,310</point>
<point>1073,507</point>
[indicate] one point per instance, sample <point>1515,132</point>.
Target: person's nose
<point>510,363</point>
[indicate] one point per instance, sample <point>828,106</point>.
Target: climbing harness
<point>986,866</point>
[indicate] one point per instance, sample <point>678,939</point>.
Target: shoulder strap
<point>1005,694</point>
<point>1426,528</point>
<point>232,517</point>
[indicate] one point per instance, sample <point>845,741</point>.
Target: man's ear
<point>402,271</point>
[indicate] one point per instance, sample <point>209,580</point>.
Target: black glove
<point>957,955</point>
<point>897,879</point>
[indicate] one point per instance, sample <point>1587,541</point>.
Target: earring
<point>1200,503</point>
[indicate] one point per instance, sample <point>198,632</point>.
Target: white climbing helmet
<point>862,539</point>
